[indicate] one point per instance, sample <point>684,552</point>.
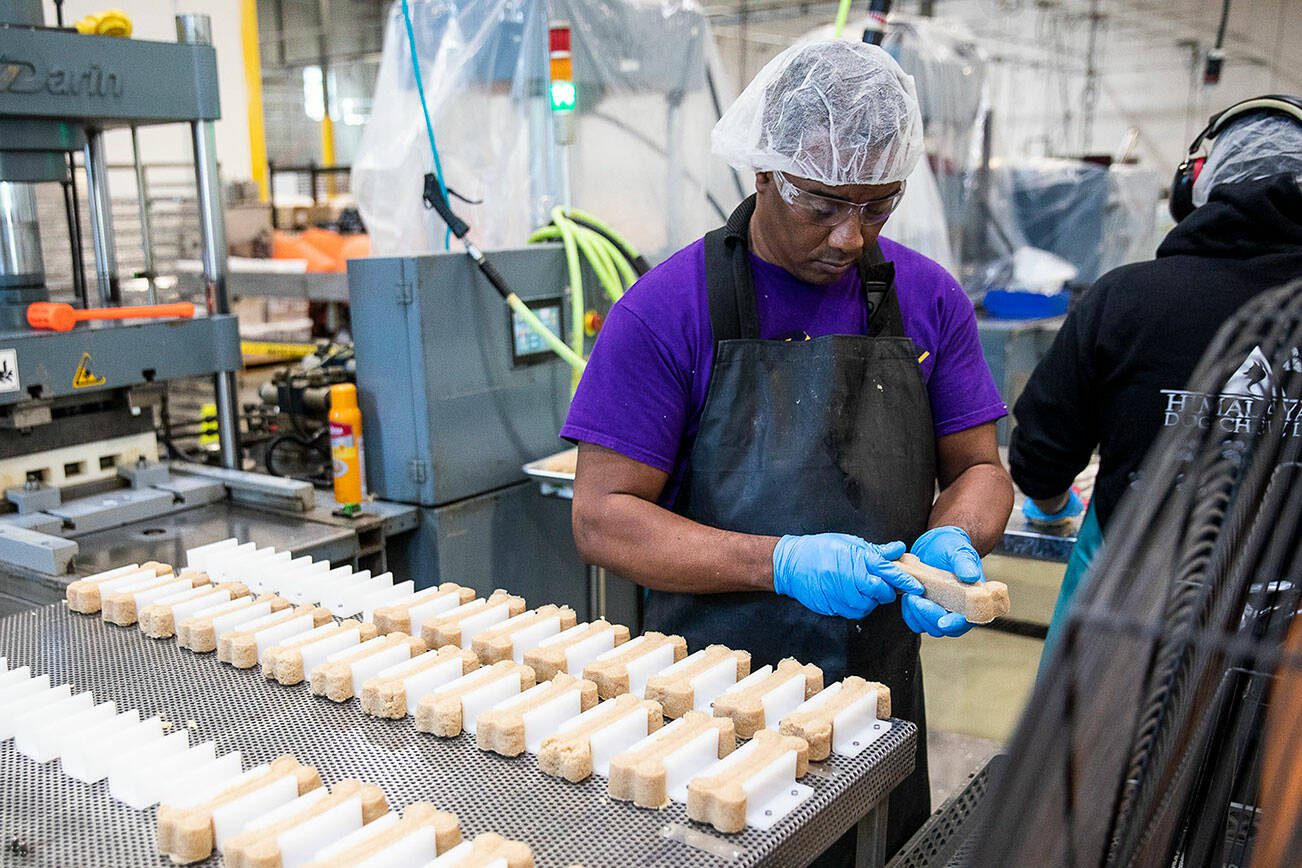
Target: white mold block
<point>29,724</point>
<point>140,783</point>
<point>232,817</point>
<point>196,557</point>
<point>89,761</point>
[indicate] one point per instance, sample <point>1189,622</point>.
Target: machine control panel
<point>527,346</point>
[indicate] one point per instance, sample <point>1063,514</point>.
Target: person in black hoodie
<point>1117,371</point>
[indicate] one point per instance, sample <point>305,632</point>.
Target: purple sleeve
<point>634,395</point>
<point>962,389</point>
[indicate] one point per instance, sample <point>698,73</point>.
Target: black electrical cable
<point>1142,741</point>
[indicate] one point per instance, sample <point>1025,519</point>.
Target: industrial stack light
<point>560,90</point>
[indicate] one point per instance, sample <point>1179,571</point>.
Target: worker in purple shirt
<point>766,415</point>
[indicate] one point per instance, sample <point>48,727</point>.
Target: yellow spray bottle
<point>346,444</point>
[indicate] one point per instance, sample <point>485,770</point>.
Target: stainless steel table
<point>64,822</point>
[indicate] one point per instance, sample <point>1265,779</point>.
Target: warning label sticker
<point>85,377</point>
<point>9,371</point>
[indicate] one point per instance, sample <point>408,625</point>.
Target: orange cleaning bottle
<point>346,444</point>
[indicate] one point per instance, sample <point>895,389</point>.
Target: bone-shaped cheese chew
<point>720,799</point>
<point>199,631</point>
<point>979,602</point>
<point>341,677</point>
<point>610,671</point>
<point>580,644</point>
<point>675,688</point>
<point>528,628</point>
<point>290,662</point>
<point>158,620</point>
<point>488,850</point>
<point>815,725</point>
<point>443,713</point>
<point>398,617</point>
<point>84,595</point>
<point>639,774</point>
<point>121,607</point>
<point>746,706</point>
<point>502,729</point>
<point>240,647</point>
<point>418,818</point>
<point>260,847</point>
<point>187,834</point>
<point>394,692</point>
<point>568,753</point>
<point>451,628</point>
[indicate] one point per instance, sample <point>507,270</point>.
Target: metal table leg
<point>870,838</point>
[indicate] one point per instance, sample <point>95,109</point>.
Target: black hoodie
<point>1115,374</point>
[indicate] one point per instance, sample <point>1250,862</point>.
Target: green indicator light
<point>563,96</point>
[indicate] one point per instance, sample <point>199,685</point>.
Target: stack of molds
<point>586,744</point>
<point>755,785</point>
<point>191,828</point>
<point>291,661</point>
<point>421,834</point>
<point>626,668</point>
<point>343,673</point>
<point>521,722</point>
<point>85,595</point>
<point>571,650</point>
<point>243,644</point>
<point>406,615</point>
<point>693,682</point>
<point>515,636</point>
<point>394,691</point>
<point>158,619</point>
<point>843,719</point>
<point>461,625</point>
<point>198,631</point>
<point>488,850</point>
<point>654,769</point>
<point>767,695</point>
<point>455,707</point>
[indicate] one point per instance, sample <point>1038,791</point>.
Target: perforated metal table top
<point>64,822</point>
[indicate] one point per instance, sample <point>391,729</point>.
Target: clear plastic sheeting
<point>949,71</point>
<point>919,221</point>
<point>832,111</point>
<point>648,83</point>
<point>1093,217</point>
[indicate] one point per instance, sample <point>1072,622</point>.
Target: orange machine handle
<point>62,317</point>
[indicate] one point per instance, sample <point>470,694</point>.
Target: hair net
<point>1257,145</point>
<point>832,111</point>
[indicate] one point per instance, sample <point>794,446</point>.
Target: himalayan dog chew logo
<point>1238,408</point>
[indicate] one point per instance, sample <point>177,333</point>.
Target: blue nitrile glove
<point>950,548</point>
<point>923,616</point>
<point>839,574</point>
<point>1035,515</point>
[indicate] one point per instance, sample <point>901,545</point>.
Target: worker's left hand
<point>950,548</point>
<point>923,616</point>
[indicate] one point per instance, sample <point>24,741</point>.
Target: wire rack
<point>57,821</point>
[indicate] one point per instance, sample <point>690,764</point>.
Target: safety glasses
<point>825,211</point>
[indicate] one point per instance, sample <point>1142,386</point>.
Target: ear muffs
<point>1182,185</point>
<point>1181,201</point>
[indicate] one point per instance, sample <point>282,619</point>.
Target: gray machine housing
<point>449,419</point>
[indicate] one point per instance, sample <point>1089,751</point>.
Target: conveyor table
<point>59,821</point>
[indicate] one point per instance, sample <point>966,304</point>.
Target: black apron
<point>832,434</point>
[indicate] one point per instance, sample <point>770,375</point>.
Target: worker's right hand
<point>839,574</point>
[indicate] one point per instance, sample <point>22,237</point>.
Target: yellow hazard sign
<point>85,378</point>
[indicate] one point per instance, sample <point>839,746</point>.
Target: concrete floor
<point>977,686</point>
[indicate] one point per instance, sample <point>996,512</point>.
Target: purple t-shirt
<point>646,381</point>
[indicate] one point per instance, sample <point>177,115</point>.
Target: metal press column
<point>101,220</point>
<point>197,30</point>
